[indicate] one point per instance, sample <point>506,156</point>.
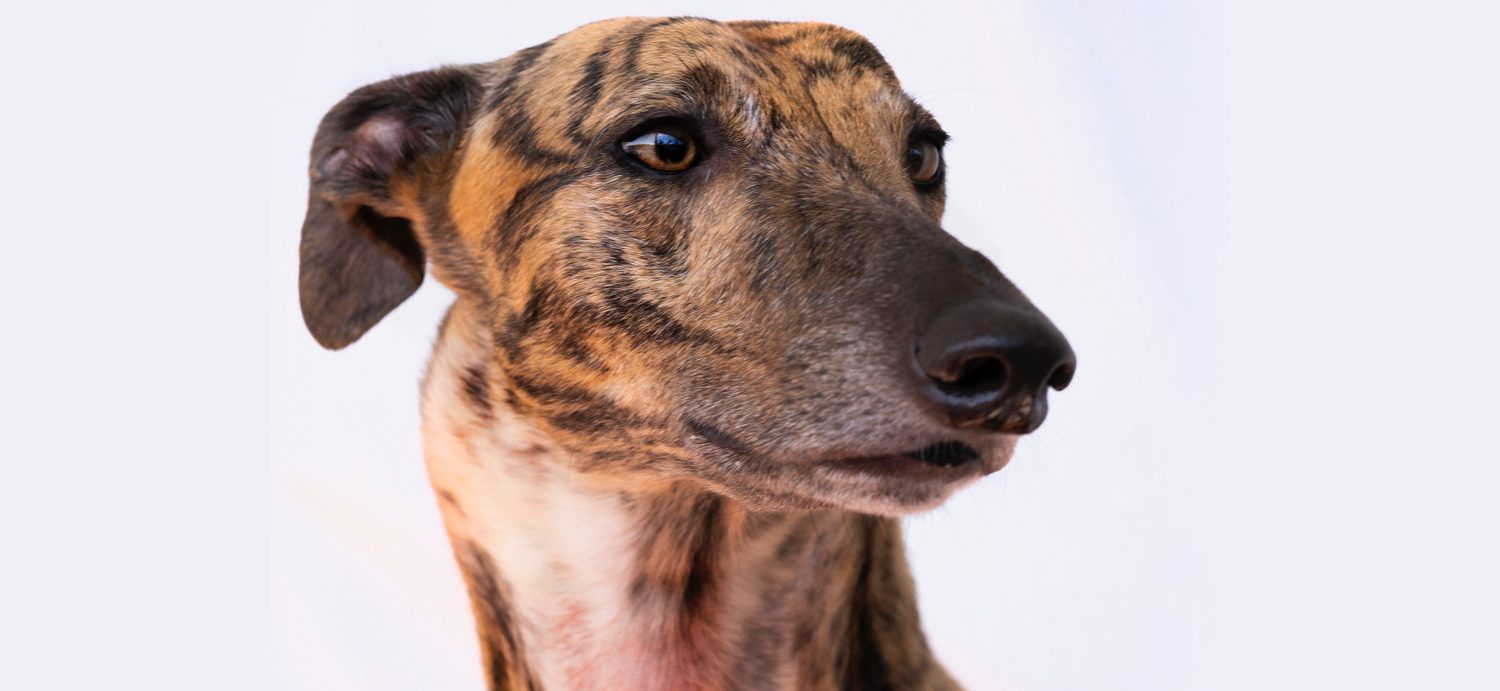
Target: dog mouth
<point>943,461</point>
<point>908,481</point>
<point>885,481</point>
<point>944,454</point>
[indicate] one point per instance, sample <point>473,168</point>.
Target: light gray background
<point>1268,231</point>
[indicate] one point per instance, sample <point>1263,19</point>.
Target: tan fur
<point>669,419</point>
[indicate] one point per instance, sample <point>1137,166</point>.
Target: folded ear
<point>371,159</point>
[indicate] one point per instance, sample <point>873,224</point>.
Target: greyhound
<point>709,342</point>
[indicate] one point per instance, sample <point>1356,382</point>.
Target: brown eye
<point>924,160</point>
<point>667,148</point>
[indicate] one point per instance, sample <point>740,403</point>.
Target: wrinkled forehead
<point>749,76</point>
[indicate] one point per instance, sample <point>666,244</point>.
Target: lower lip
<point>902,467</point>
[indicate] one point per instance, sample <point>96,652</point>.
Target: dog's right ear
<point>373,157</point>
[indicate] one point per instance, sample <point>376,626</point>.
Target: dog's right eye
<point>666,148</point>
<point>924,162</point>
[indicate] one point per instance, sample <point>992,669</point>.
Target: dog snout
<point>988,364</point>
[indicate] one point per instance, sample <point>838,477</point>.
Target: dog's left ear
<point>375,155</point>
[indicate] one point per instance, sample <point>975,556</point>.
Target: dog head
<point>702,250</point>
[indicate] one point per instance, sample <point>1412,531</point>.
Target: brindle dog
<point>709,341</point>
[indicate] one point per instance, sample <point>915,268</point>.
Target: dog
<point>709,342</point>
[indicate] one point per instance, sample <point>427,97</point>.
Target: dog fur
<point>652,414</point>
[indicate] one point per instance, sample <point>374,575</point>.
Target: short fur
<point>652,413</point>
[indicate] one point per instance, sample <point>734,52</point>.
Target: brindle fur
<point>629,405</point>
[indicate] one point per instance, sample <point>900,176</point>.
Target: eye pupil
<point>670,149</point>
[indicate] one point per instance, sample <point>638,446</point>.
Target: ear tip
<point>337,316</point>
<point>326,333</point>
<point>331,342</point>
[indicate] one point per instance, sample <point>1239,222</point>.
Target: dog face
<point>702,250</point>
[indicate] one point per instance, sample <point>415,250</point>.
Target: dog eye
<point>666,148</point>
<point>924,160</point>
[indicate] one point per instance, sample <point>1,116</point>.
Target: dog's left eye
<point>666,148</point>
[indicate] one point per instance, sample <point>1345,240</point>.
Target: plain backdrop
<point>1267,229</point>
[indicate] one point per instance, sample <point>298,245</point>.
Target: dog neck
<point>580,583</point>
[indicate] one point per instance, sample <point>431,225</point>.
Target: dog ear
<point>373,155</point>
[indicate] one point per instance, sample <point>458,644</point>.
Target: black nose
<point>988,364</point>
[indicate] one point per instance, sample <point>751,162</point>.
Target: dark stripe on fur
<point>676,562</point>
<point>862,55</point>
<point>638,40</point>
<point>586,93</point>
<point>500,637</point>
<point>515,225</point>
<point>716,436</point>
<point>477,390</point>
<point>515,131</point>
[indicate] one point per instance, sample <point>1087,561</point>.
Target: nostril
<point>1061,376</point>
<point>978,375</point>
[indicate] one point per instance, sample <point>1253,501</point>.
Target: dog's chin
<point>886,484</point>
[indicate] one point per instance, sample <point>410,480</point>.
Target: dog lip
<point>902,469</point>
<point>947,459</point>
<point>944,453</point>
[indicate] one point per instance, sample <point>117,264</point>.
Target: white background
<point>1268,232</point>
